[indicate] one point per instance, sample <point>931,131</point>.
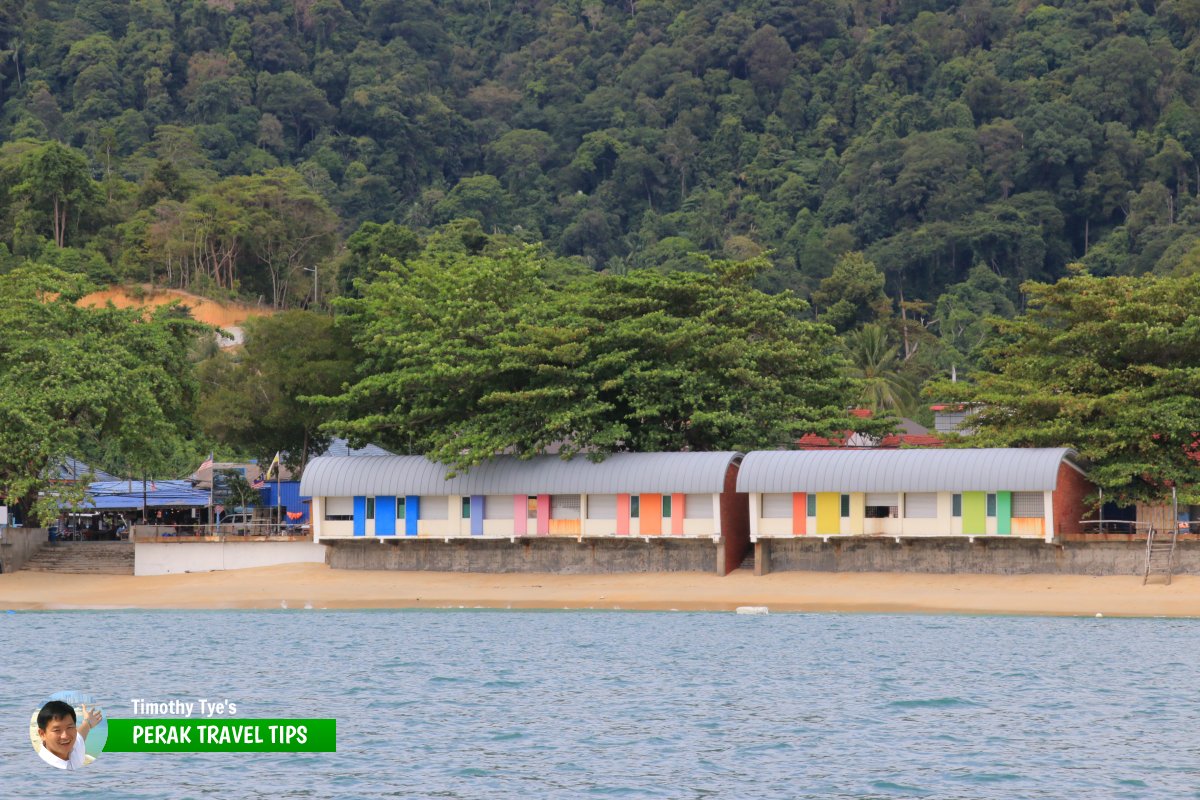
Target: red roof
<point>811,441</point>
<point>911,440</point>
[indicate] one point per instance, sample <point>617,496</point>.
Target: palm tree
<point>874,361</point>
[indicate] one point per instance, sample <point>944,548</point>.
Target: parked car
<point>237,524</point>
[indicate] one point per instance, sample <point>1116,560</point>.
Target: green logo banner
<point>221,736</point>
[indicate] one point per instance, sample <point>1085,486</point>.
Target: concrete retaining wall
<point>167,558</point>
<point>17,545</point>
<point>958,555</point>
<point>564,556</point>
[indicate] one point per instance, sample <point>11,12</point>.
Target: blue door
<point>412,512</point>
<point>477,515</point>
<point>360,516</point>
<point>385,516</point>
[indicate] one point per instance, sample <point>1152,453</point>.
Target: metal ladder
<point>1160,556</point>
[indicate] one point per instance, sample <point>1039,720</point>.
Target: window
<point>882,505</point>
<point>564,506</point>
<point>339,509</point>
<point>466,508</point>
<point>812,505</point>
<point>920,505</point>
<point>602,506</point>
<point>531,507</point>
<point>635,506</point>
<point>956,505</point>
<point>991,505</point>
<point>845,505</point>
<point>666,506</point>
<point>698,506</point>
<point>370,508</point>
<point>498,506</point>
<point>401,502</point>
<point>776,506</point>
<point>1028,504</point>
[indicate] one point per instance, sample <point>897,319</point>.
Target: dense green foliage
<point>932,135</point>
<point>467,356</point>
<point>104,383</point>
<point>250,397</point>
<point>903,167</point>
<point>1108,367</point>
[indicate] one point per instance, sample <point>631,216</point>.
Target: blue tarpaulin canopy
<point>113,495</point>
<point>72,469</point>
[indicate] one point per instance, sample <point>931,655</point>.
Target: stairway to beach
<point>1160,557</point>
<point>83,558</point>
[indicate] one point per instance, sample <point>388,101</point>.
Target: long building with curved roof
<point>688,501</point>
<point>1030,492</point>
<point>683,495</point>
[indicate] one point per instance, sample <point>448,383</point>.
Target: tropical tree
<point>56,189</point>
<point>965,315</point>
<point>875,362</point>
<point>853,294</point>
<point>1106,366</point>
<point>233,490</point>
<point>468,356</point>
<point>251,399</point>
<point>76,380</point>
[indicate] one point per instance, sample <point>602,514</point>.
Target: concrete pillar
<point>755,512</point>
<point>1048,508</point>
<point>720,545</point>
<point>762,557</point>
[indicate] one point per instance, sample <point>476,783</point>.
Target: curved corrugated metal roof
<point>331,476</point>
<point>1004,469</point>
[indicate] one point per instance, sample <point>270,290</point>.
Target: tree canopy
<point>80,381</point>
<point>250,399</point>
<point>1107,366</point>
<point>469,356</point>
<point>930,136</point>
<point>896,171</point>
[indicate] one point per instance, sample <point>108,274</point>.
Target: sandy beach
<point>317,586</point>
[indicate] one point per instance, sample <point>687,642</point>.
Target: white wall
<point>172,558</point>
<point>455,526</point>
<point>944,524</point>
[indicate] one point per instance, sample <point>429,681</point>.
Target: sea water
<point>503,704</point>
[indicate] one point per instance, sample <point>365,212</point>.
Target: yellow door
<point>829,513</point>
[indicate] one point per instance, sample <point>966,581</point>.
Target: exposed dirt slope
<point>224,315</point>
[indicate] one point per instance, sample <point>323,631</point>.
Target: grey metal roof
<point>331,476</point>
<point>968,470</point>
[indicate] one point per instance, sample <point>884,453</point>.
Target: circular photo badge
<point>68,730</point>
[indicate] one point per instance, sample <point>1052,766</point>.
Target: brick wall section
<point>1069,507</point>
<point>999,555</point>
<point>735,521</point>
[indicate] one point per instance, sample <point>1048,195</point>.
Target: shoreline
<point>316,586</point>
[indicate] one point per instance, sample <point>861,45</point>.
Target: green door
<point>1004,513</point>
<point>974,511</point>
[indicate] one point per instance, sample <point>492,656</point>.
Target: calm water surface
<point>498,704</point>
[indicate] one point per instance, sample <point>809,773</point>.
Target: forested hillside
<point>903,167</point>
<point>931,135</point>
